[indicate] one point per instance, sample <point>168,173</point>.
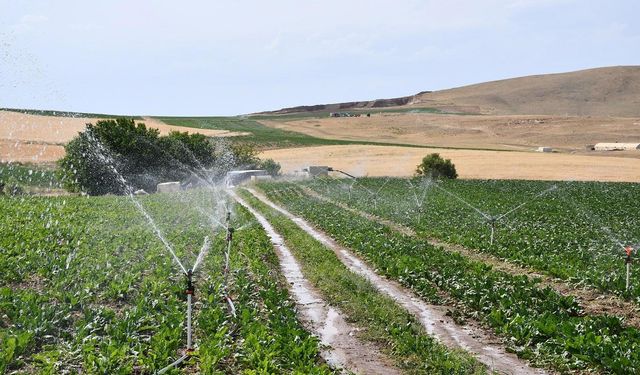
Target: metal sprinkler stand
<point>339,171</point>
<point>227,270</point>
<point>628,260</point>
<point>492,222</point>
<point>190,290</point>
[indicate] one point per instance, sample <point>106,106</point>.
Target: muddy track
<point>343,350</point>
<point>593,302</point>
<point>472,338</point>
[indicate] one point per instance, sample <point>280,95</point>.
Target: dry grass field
<point>363,160</point>
<point>35,138</point>
<point>565,134</point>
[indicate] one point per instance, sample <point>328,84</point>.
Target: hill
<point>609,91</point>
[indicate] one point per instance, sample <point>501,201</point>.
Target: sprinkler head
<point>190,288</point>
<point>629,251</point>
<point>230,234</point>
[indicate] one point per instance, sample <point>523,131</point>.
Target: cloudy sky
<point>233,57</point>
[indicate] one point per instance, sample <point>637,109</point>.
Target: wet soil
<point>343,349</point>
<point>472,338</point>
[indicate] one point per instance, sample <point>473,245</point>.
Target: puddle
<point>470,338</point>
<point>343,350</point>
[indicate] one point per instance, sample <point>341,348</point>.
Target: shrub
<point>434,166</point>
<point>11,187</point>
<point>99,158</point>
<point>271,166</point>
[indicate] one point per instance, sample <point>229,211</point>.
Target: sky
<point>235,57</point>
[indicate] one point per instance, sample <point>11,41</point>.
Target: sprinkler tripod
<point>190,292</point>
<point>628,261</point>
<point>492,223</point>
<point>227,270</point>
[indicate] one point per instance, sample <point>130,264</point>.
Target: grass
<point>265,137</point>
<point>382,320</point>
<point>362,111</point>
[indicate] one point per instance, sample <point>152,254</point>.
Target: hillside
<point>609,91</point>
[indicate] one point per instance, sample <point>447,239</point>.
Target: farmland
<point>574,231</point>
<point>538,323</point>
<point>87,287</point>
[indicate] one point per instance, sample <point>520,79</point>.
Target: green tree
<point>117,156</point>
<point>434,166</point>
<point>106,155</point>
<point>271,166</point>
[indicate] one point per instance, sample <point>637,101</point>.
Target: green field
<point>88,287</point>
<point>265,137</point>
<point>549,233</point>
<point>30,175</point>
<point>575,231</point>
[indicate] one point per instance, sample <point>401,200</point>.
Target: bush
<point>434,166</point>
<point>11,187</point>
<point>271,166</point>
<point>100,158</point>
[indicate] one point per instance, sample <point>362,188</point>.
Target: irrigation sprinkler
<point>339,171</point>
<point>628,261</point>
<point>190,292</point>
<point>492,221</point>
<point>227,258</point>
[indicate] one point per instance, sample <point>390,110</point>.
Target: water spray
<point>104,154</point>
<point>492,221</point>
<point>190,292</point>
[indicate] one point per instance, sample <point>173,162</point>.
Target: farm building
<point>544,149</point>
<point>317,170</point>
<point>616,146</point>
<point>235,178</point>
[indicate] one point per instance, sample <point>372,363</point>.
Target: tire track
<point>344,350</point>
<point>434,318</point>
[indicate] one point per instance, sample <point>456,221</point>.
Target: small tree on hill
<point>434,166</point>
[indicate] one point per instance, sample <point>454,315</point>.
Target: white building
<point>616,146</point>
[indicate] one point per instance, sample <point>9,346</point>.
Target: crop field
<point>86,287</point>
<point>264,137</point>
<point>89,284</point>
<point>29,175</point>
<point>573,231</point>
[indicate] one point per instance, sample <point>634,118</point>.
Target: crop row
<point>378,317</point>
<point>536,322</point>
<point>570,230</point>
<point>87,287</point>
